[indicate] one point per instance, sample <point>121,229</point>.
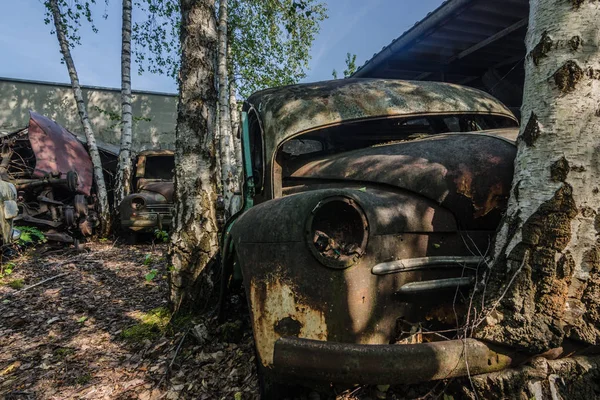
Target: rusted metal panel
<point>469,173</point>
<point>385,364</point>
<point>291,110</point>
<point>165,189</point>
<point>58,151</point>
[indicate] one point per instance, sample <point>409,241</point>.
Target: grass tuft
<point>151,325</point>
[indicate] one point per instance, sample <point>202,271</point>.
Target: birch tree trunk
<point>123,181</point>
<point>103,208</point>
<point>544,286</point>
<point>194,241</point>
<point>229,178</point>
<point>234,113</point>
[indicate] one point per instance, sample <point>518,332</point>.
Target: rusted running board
<point>387,364</point>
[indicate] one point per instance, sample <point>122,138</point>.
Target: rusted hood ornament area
<point>52,173</point>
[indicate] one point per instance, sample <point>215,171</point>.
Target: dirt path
<point>101,331</point>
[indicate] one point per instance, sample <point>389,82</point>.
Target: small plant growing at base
<point>6,269</point>
<point>30,235</point>
<point>151,275</point>
<point>161,235</point>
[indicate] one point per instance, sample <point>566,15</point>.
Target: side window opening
<point>256,151</point>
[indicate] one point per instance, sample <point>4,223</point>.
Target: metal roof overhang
<point>479,43</point>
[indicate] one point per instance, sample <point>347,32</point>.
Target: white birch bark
<point>194,240</point>
<point>123,181</point>
<point>236,202</point>
<point>546,272</point>
<point>103,208</point>
<point>229,178</point>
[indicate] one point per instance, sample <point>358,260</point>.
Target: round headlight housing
<point>138,202</point>
<point>337,232</point>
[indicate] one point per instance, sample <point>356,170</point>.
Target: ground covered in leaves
<point>101,330</point>
<point>94,324</point>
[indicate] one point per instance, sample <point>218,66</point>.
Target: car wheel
<point>72,181</point>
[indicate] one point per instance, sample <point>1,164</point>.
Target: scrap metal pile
<point>52,172</point>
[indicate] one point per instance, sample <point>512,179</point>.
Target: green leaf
<point>151,275</point>
<point>82,319</point>
<point>363,189</point>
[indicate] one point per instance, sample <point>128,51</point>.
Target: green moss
<point>151,325</point>
<point>83,379</point>
<point>16,284</point>
<point>63,352</point>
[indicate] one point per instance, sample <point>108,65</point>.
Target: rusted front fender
<point>388,364</point>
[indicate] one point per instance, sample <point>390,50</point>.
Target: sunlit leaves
<point>72,13</point>
<point>270,40</point>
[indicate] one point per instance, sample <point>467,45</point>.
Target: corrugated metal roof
<point>475,42</point>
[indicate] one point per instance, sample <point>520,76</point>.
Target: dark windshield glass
<point>159,167</point>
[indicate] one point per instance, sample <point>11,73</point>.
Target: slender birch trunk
<point>229,178</point>
<point>103,208</point>
<point>544,286</point>
<point>123,181</point>
<point>194,240</point>
<point>236,203</point>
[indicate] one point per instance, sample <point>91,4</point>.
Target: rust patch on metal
<point>275,303</point>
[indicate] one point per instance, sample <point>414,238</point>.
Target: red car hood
<point>58,151</point>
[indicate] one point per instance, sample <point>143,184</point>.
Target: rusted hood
<point>470,173</point>
<point>58,151</point>
<point>164,188</point>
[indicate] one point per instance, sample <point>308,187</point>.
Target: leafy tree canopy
<point>72,14</point>
<point>270,40</point>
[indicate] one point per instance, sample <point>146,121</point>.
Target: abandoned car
<point>8,211</point>
<point>369,205</point>
<point>150,207</point>
<point>52,173</point>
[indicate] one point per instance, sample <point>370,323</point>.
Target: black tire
<point>72,181</point>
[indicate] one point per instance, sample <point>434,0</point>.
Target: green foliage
<point>6,269</point>
<point>151,275</point>
<point>350,66</point>
<point>269,40</point>
<point>72,13</point>
<point>30,235</point>
<point>16,284</point>
<point>148,259</point>
<point>161,235</point>
<point>115,116</point>
<point>150,325</point>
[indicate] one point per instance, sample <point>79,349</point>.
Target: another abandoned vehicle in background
<point>52,173</point>
<point>8,211</point>
<point>149,207</point>
<point>369,207</point>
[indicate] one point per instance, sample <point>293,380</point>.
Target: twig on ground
<point>168,371</point>
<point>35,285</point>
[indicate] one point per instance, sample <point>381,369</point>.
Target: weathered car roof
<point>157,152</point>
<point>290,110</point>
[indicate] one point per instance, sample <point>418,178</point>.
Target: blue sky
<point>29,51</point>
